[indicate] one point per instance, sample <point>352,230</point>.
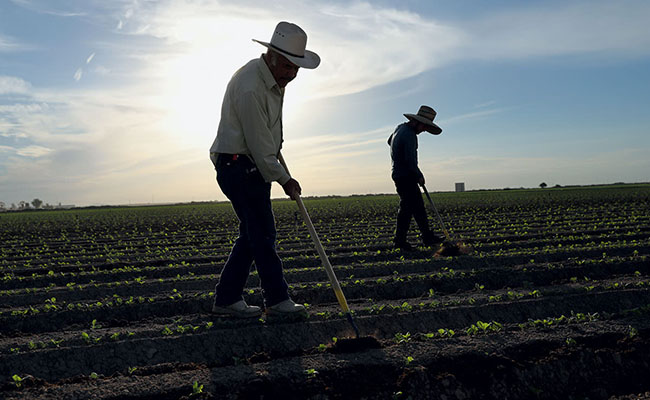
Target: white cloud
<point>45,7</point>
<point>22,108</point>
<point>369,47</point>
<point>472,115</point>
<point>13,85</point>
<point>90,58</point>
<point>7,44</point>
<point>78,74</point>
<point>374,45</point>
<point>27,151</point>
<point>101,70</point>
<point>33,151</point>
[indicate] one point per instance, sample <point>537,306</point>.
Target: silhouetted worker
<point>407,176</point>
<point>245,155</point>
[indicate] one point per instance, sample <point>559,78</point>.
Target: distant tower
<point>460,186</point>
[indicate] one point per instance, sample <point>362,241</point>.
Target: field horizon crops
<point>553,302</point>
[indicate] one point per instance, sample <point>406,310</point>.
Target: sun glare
<point>196,77</point>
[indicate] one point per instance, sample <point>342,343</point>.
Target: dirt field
<point>553,302</point>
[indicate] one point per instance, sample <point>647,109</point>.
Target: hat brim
<point>431,127</point>
<point>310,60</point>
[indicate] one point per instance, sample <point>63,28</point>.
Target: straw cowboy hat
<point>290,41</point>
<point>426,115</point>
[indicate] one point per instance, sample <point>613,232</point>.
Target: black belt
<point>236,159</point>
<point>230,157</point>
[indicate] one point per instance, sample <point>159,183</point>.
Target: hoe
<point>449,247</point>
<point>342,345</point>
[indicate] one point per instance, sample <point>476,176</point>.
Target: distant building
<point>460,186</point>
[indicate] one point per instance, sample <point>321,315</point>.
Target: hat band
<point>284,51</point>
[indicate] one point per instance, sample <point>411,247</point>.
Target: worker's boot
<point>402,245</point>
<point>287,309</point>
<point>430,239</point>
<point>239,310</point>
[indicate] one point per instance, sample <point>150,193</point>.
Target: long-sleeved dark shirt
<point>404,153</point>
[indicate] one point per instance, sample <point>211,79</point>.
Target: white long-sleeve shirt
<point>251,120</point>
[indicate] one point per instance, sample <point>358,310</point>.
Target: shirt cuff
<point>283,179</point>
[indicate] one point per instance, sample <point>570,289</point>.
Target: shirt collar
<point>267,76</point>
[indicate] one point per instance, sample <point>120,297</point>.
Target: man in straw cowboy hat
<point>406,175</point>
<point>245,156</point>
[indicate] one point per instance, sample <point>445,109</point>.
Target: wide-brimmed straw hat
<point>426,115</point>
<point>291,41</point>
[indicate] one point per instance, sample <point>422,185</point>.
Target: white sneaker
<point>239,309</point>
<point>286,307</point>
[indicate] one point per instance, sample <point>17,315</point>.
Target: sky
<point>118,102</point>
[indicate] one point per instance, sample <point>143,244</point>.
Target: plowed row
<point>553,302</point>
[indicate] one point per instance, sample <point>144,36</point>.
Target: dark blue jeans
<point>250,196</point>
<point>410,205</point>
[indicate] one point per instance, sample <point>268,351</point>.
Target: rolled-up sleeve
<point>259,139</point>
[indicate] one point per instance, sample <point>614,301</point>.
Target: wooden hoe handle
<point>319,248</point>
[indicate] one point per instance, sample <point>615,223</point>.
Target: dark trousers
<point>250,196</point>
<point>410,205</point>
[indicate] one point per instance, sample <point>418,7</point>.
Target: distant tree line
<point>36,204</point>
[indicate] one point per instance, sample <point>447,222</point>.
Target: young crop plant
<point>514,295</point>
<point>484,327</point>
<point>446,333</point>
<point>196,389</point>
<point>311,372</point>
<point>402,337</point>
<point>17,380</point>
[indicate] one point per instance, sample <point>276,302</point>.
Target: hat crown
<point>289,38</point>
<point>427,112</point>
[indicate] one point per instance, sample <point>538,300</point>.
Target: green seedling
<point>18,381</point>
<point>196,388</point>
<point>402,337</point>
<point>633,332</point>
